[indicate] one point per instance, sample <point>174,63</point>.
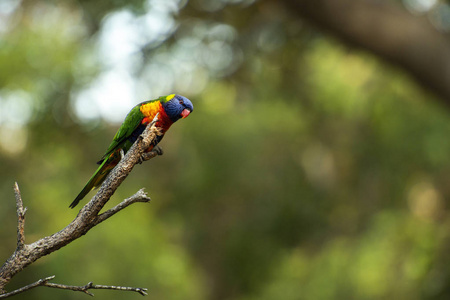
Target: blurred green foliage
<point>307,171</point>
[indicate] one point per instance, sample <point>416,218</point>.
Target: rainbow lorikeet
<point>171,108</point>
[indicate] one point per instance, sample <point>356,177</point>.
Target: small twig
<point>91,286</point>
<point>20,218</point>
<point>84,289</point>
<point>40,282</point>
<point>140,196</point>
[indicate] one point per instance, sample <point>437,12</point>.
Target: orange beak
<point>185,113</point>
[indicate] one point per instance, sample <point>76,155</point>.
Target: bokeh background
<point>309,169</point>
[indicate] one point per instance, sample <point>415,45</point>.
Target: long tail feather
<point>96,180</point>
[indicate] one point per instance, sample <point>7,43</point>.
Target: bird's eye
<point>181,102</point>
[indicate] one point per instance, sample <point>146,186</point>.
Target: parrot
<point>171,108</point>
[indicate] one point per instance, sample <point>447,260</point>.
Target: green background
<point>308,170</point>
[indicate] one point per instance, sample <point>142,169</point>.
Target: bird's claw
<point>158,150</point>
<point>148,155</point>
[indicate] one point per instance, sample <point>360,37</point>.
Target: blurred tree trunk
<point>388,31</point>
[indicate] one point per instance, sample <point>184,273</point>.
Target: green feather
<point>130,124</point>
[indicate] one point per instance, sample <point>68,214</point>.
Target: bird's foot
<point>149,155</point>
<point>141,159</point>
<point>158,150</point>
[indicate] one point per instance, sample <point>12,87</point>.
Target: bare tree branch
<point>140,196</point>
<point>88,216</point>
<point>84,289</point>
<point>91,286</point>
<point>388,31</point>
<point>40,282</point>
<point>20,217</point>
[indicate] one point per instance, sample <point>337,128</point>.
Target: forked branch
<point>88,217</point>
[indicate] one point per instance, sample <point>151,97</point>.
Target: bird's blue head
<point>177,107</point>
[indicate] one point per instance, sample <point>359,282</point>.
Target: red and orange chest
<point>149,110</point>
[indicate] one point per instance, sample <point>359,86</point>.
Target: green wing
<point>131,122</point>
